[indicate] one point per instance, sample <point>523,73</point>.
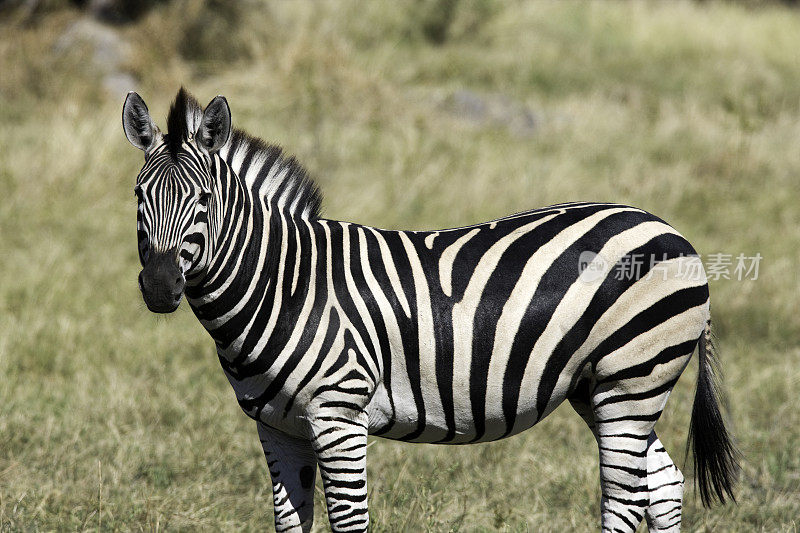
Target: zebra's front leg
<point>340,441</point>
<point>292,466</point>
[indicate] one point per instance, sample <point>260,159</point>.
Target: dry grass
<point>112,418</point>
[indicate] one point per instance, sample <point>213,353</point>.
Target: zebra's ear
<point>215,126</point>
<point>139,128</point>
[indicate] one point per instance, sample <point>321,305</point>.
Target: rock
<point>109,52</point>
<point>495,108</point>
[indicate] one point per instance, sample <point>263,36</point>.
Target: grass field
<point>112,418</point>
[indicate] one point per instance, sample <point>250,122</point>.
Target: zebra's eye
<point>137,192</point>
<point>203,199</point>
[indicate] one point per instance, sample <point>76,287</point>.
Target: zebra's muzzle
<point>161,283</point>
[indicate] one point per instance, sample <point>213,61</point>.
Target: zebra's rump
<point>489,327</point>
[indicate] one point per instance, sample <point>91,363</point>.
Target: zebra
<point>330,331</point>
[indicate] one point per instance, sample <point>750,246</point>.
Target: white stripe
<point>447,258</point>
<point>434,412</point>
<point>391,272</point>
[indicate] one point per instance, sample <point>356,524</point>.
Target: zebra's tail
<point>716,459</point>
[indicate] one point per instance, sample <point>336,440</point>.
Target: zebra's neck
<point>261,268</point>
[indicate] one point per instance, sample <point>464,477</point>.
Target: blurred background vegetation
<point>415,114</point>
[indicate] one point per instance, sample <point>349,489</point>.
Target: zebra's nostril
<point>179,280</point>
<point>141,284</point>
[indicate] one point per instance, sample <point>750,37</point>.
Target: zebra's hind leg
<point>623,462</point>
<point>665,488</point>
<point>630,387</point>
<point>623,475</point>
<point>664,480</point>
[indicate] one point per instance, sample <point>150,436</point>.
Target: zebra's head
<point>176,192</point>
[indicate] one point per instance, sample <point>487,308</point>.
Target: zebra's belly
<point>398,418</point>
<point>512,380</point>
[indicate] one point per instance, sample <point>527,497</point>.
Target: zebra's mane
<point>183,119</point>
<point>300,195</point>
<point>283,175</point>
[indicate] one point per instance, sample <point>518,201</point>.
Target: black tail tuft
<point>716,459</point>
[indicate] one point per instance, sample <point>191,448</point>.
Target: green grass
<point>113,418</point>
